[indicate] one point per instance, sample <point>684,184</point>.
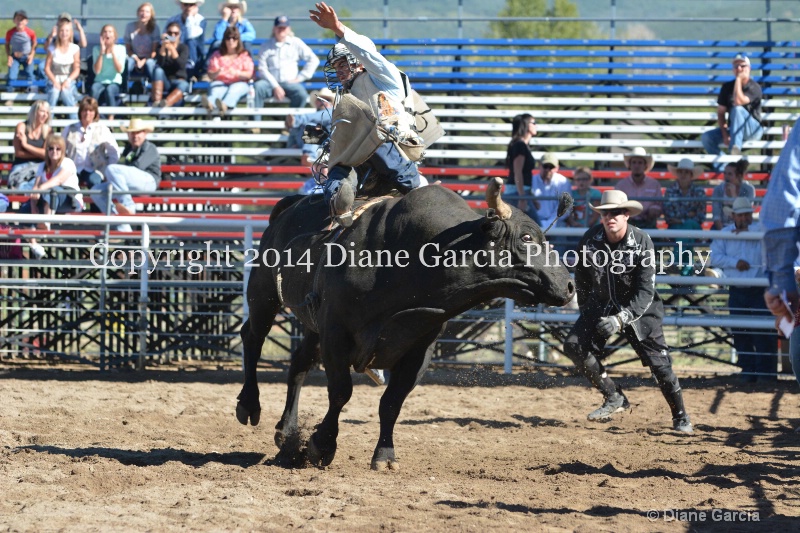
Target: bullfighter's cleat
<point>376,375</point>
<point>616,403</point>
<point>683,425</point>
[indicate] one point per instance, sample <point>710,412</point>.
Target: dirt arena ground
<point>162,451</point>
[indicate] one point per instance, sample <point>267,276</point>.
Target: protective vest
<point>367,117</point>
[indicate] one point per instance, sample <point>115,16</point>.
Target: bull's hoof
<point>383,459</point>
<point>317,456</point>
<point>243,415</point>
<point>280,439</point>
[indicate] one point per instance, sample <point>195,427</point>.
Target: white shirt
<point>68,167</point>
<point>87,139</point>
<point>62,62</point>
<point>725,253</point>
<point>548,209</point>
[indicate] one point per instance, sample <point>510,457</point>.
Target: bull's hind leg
<point>336,349</point>
<point>302,360</point>
<point>404,377</point>
<point>262,298</point>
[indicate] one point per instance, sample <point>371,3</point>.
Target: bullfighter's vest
<point>366,117</point>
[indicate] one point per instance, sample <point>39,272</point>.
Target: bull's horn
<point>495,201</point>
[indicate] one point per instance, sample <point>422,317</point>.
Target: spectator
<point>170,75</point>
<point>78,35</point>
<point>621,301</point>
<point>233,12</point>
<point>549,183</point>
<point>89,144</point>
<point>230,68</point>
<point>56,172</point>
<point>278,71</point>
<point>740,99</point>
<point>193,29</point>
<point>21,48</point>
<point>680,211</point>
<point>141,42</point>
<point>323,102</point>
<point>368,79</point>
<point>741,259</point>
<point>583,196</point>
<point>109,62</point>
<point>639,186</point>
<point>62,68</point>
<point>725,193</point>
<point>139,170</point>
<point>29,138</point>
<point>520,163</point>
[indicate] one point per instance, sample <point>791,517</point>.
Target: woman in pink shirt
<point>230,68</point>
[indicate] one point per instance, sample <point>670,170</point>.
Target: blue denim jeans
<point>794,353</point>
<point>229,94</point>
<point>122,178</point>
<point>756,349</point>
<point>511,190</point>
<point>106,93</point>
<point>69,97</point>
<point>148,70</point>
<point>741,127</point>
<point>295,92</point>
<point>21,64</point>
<point>386,162</point>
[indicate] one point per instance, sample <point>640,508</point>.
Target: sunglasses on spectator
<point>548,166</point>
<point>53,148</point>
<point>232,39</point>
<point>612,213</point>
<point>173,33</point>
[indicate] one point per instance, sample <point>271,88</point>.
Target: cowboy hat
<point>614,199</point>
<point>198,2</point>
<point>742,205</point>
<point>137,124</point>
<point>685,164</point>
<point>324,93</point>
<point>241,4</point>
<point>639,152</point>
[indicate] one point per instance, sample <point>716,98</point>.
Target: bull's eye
<point>527,238</point>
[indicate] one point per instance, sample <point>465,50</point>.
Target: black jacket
<point>619,279</point>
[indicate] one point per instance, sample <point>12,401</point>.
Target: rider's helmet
<point>338,52</point>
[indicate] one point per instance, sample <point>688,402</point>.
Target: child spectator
<point>78,35</point>
<point>20,47</point>
<point>62,68</point>
<point>109,62</point>
<point>193,29</point>
<point>141,42</point>
<point>230,68</point>
<point>584,195</point>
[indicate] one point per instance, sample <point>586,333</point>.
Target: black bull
<point>384,317</point>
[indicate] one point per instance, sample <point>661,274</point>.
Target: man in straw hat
<point>138,170</point>
<point>615,282</point>
<point>639,185</point>
<point>742,259</point>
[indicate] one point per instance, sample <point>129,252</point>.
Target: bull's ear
<point>492,227</point>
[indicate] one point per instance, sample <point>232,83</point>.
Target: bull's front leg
<point>322,445</point>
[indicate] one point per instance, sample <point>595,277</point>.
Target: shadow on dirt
<point>154,457</point>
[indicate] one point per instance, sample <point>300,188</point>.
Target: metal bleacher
<point>593,101</point>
